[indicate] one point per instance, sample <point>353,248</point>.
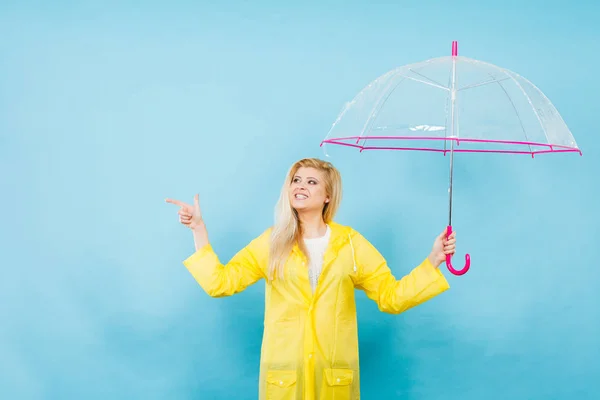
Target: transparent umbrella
<point>450,105</point>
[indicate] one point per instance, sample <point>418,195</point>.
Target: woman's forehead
<point>309,172</point>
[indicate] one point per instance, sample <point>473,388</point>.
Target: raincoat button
<point>338,379</point>
<point>281,382</point>
<point>310,355</point>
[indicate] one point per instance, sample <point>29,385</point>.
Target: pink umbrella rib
<point>549,147</point>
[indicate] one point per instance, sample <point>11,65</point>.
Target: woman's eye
<point>312,182</point>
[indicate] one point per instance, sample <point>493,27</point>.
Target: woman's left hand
<point>441,247</point>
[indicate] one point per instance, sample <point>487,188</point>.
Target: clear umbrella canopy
<point>411,108</point>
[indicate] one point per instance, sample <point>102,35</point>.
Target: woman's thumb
<point>197,204</point>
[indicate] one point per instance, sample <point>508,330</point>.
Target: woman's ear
<point>327,200</point>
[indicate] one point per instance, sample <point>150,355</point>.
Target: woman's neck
<point>312,225</point>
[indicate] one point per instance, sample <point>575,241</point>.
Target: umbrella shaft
<point>452,133</point>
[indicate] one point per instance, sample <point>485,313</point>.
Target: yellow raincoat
<point>310,342</point>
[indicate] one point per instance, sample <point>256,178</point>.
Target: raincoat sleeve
<point>243,270</point>
<point>394,295</point>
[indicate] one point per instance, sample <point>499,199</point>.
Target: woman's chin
<point>300,206</point>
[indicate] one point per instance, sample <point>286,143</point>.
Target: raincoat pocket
<point>281,385</point>
<point>337,384</point>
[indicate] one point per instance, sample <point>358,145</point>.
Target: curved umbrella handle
<point>449,256</point>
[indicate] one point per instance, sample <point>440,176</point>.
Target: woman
<point>311,266</point>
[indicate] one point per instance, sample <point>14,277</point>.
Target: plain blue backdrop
<point>107,108</point>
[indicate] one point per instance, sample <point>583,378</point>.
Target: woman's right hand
<point>189,215</point>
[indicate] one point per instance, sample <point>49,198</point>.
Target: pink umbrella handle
<point>449,256</point>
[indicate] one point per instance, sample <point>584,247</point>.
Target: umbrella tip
<point>454,48</point>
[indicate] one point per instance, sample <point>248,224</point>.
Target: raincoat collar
<point>339,236</point>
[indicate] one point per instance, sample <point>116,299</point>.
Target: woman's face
<point>307,190</point>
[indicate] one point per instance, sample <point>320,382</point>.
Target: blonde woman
<point>311,266</point>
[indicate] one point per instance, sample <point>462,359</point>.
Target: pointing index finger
<point>176,202</point>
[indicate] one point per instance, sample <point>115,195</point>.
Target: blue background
<point>107,108</point>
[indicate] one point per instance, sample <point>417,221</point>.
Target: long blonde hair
<point>287,230</point>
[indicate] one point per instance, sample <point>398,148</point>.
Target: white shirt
<point>316,249</point>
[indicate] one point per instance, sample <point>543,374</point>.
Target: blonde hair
<point>287,230</point>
